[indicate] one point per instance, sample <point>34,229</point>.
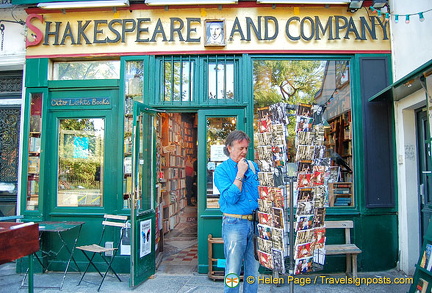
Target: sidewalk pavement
<point>169,283</point>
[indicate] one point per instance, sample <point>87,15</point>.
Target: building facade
<point>12,60</point>
<point>117,98</point>
<point>409,94</point>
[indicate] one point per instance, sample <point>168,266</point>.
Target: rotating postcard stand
<point>291,243</point>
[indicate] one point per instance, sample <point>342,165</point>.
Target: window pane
<point>325,85</point>
<point>80,170</point>
<point>218,129</point>
<point>34,152</point>
<point>221,80</point>
<point>80,70</point>
<point>178,80</point>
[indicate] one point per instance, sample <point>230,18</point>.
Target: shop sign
<point>146,30</point>
<point>189,30</point>
<point>67,102</point>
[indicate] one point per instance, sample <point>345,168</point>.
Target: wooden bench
<point>350,250</point>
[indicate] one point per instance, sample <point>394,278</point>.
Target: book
<point>35,123</point>
<point>428,250</point>
<point>33,165</point>
<point>35,144</point>
<point>422,286</point>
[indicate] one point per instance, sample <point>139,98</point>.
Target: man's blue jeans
<point>239,249</point>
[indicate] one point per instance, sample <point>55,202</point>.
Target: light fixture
<point>396,18</point>
<point>378,4</point>
<point>189,2</point>
<point>83,4</point>
<point>421,17</point>
<point>356,4</point>
<point>303,2</point>
<point>407,19</point>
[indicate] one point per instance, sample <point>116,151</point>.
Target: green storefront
<point>113,111</point>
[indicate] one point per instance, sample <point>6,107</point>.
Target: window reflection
<point>81,70</point>
<point>218,129</point>
<point>220,80</point>
<point>325,84</point>
<point>178,80</point>
<point>80,167</point>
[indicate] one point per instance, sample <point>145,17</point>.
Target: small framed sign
<point>215,33</point>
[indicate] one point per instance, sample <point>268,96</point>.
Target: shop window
<point>220,79</point>
<point>80,167</point>
<point>178,79</point>
<point>324,84</point>
<point>134,86</point>
<point>218,129</point>
<point>82,70</point>
<point>34,151</point>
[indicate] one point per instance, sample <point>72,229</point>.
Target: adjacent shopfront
<point>117,100</point>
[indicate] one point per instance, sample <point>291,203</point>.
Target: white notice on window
<point>145,242</point>
<point>217,154</point>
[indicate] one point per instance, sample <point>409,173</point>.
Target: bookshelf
<point>423,268</point>
<point>338,137</point>
<point>34,151</point>
<point>176,141</point>
<point>340,194</point>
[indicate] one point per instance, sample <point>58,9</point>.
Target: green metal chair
<point>90,251</point>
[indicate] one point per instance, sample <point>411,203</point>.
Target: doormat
<point>191,219</point>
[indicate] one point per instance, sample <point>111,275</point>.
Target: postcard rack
<point>292,190</point>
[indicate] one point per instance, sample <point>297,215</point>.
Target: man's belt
<point>246,217</point>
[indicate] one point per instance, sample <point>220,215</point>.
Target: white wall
<point>411,43</point>
<point>12,57</point>
<point>411,48</point>
<point>407,170</point>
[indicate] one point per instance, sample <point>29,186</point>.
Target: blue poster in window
<point>81,147</point>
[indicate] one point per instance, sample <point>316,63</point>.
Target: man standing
<point>190,178</point>
<point>237,181</point>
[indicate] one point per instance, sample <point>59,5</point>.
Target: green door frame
<point>110,183</point>
<point>210,219</point>
<point>143,200</point>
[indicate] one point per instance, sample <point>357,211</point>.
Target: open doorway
<point>177,192</point>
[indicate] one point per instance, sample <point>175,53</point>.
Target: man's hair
<point>236,135</point>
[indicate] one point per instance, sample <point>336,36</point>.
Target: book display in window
<point>34,151</point>
<point>338,140</point>
<point>423,272</point>
<point>133,92</point>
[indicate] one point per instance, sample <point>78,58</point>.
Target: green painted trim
<point>24,168</point>
<point>79,84</point>
<point>36,72</point>
<point>358,134</point>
